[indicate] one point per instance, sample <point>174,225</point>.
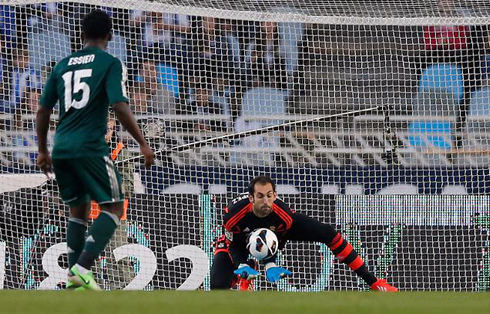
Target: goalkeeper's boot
<point>86,281</point>
<point>382,285</point>
<point>245,284</point>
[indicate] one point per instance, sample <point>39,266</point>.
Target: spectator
<point>164,31</point>
<point>230,87</point>
<point>3,71</point>
<point>7,23</point>
<point>204,106</point>
<point>24,121</point>
<point>446,43</point>
<point>265,65</point>
<point>44,15</point>
<point>229,32</point>
<point>20,77</point>
<point>150,95</point>
<point>24,114</point>
<point>211,56</point>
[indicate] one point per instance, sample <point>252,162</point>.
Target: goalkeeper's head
<point>262,194</point>
<point>96,28</point>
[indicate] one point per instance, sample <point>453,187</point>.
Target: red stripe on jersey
<point>337,243</point>
<point>356,263</point>
<point>221,250</point>
<point>288,220</point>
<point>337,238</point>
<point>284,216</point>
<point>238,216</point>
<point>233,220</point>
<point>345,252</point>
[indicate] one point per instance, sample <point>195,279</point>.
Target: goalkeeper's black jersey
<point>239,221</point>
<point>239,217</point>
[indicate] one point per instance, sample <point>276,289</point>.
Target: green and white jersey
<point>85,84</point>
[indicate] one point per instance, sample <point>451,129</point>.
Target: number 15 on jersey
<point>73,85</point>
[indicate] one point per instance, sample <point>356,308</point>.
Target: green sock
<point>100,234</point>
<point>75,239</point>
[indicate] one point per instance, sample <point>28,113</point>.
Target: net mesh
<point>197,71</point>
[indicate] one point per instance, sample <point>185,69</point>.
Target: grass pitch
<point>234,302</point>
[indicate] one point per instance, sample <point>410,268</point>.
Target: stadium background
<point>213,76</point>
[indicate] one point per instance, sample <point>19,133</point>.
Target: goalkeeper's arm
<point>238,249</point>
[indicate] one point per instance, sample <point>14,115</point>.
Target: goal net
<point>405,181</point>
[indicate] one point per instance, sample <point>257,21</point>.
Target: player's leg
<point>222,271</point>
<point>305,228</point>
<point>222,276</point>
<point>75,196</point>
<point>103,184</point>
<point>76,230</point>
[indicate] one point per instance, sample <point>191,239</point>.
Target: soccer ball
<point>262,243</point>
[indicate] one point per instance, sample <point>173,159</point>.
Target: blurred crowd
<point>193,65</point>
<point>177,64</point>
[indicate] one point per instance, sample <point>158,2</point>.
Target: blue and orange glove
<point>246,272</point>
<point>274,273</point>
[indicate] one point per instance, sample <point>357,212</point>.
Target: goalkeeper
<point>262,209</point>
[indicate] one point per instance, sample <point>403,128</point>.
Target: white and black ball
<point>262,243</point>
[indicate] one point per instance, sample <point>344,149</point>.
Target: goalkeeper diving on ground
<point>261,208</point>
<point>85,84</point>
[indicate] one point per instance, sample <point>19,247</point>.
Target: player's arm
<point>273,272</point>
<point>239,254</point>
<point>238,249</point>
<point>116,91</point>
<point>48,100</point>
<point>125,116</point>
<point>234,212</point>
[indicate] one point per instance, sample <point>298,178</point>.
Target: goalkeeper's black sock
<point>344,251</point>
<point>100,234</point>
<point>75,239</point>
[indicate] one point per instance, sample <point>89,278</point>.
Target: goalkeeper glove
<point>274,273</point>
<point>246,272</point>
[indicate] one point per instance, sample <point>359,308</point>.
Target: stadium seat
<point>440,90</point>
<point>479,108</point>
<point>260,102</point>
<point>480,102</point>
<point>117,47</point>
<point>169,77</point>
<point>48,46</point>
<point>438,134</point>
<point>435,102</point>
<point>443,75</point>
